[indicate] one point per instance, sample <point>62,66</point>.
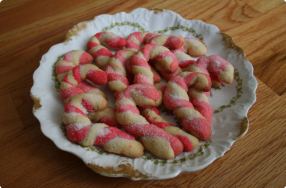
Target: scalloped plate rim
<point>251,101</point>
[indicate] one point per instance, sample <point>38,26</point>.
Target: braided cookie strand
<point>70,60</point>
<point>199,75</point>
<point>144,75</point>
<point>176,98</point>
<point>137,39</point>
<point>100,44</point>
<point>87,73</point>
<point>81,130</point>
<point>116,70</point>
<point>219,69</point>
<point>191,45</point>
<point>168,147</point>
<point>110,40</point>
<point>100,53</point>
<point>154,139</point>
<point>74,70</point>
<point>106,116</point>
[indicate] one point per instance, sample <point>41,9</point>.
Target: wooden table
<point>30,27</point>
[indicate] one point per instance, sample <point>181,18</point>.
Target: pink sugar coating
<point>198,127</point>
<point>109,121</point>
<point>115,42</point>
<point>69,92</point>
<point>146,50</point>
<point>188,146</point>
<point>139,61</point>
<point>68,56</point>
<point>215,65</point>
<point>102,52</point>
<point>98,77</point>
<point>63,69</point>
<point>91,44</point>
<point>156,122</point>
<point>174,42</point>
<point>204,108</point>
<point>168,76</point>
<point>141,79</point>
<point>76,135</point>
<point>186,63</point>
<point>149,36</point>
<point>156,76</point>
<point>112,133</point>
<point>127,108</point>
<point>71,108</point>
<point>190,79</point>
<point>152,130</point>
<point>181,82</point>
<point>171,103</point>
<point>147,90</point>
<point>130,43</point>
<point>87,105</point>
<point>115,76</point>
<point>161,58</point>
<point>120,55</point>
<point>85,58</point>
<point>76,74</point>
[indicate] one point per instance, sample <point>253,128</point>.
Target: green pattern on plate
<point>57,83</point>
<point>120,24</point>
<point>236,97</point>
<point>183,28</point>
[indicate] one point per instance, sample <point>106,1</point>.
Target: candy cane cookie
<point>191,45</point>
<point>154,139</point>
<point>220,70</point>
<point>199,75</point>
<point>168,146</point>
<point>88,73</point>
<point>176,99</point>
<point>107,116</point>
<point>137,39</point>
<point>128,115</point>
<point>117,70</point>
<point>100,45</point>
<point>75,67</point>
<point>143,75</point>
<point>81,130</point>
<point>82,99</point>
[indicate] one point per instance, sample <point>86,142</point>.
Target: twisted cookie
<point>195,112</point>
<point>75,67</point>
<point>176,99</point>
<point>116,70</point>
<point>154,139</point>
<point>81,130</point>
<point>100,44</point>
<point>82,100</point>
<point>192,46</point>
<point>168,146</point>
<point>144,75</point>
<point>220,70</point>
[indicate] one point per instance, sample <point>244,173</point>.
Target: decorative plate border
<point>125,170</point>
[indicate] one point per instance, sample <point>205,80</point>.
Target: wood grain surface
<point>30,27</point>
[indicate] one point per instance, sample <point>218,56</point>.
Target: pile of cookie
<point>143,71</point>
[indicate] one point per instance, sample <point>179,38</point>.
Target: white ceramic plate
<point>231,102</point>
